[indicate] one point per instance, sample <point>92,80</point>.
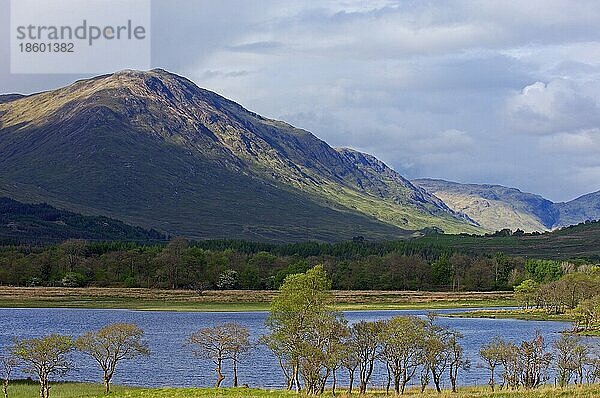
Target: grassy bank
<point>79,390</point>
<point>235,300</point>
<point>526,315</point>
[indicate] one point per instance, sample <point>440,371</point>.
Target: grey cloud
<point>256,47</point>
<point>557,106</point>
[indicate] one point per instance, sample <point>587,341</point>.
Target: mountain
<point>10,97</point>
<point>40,223</point>
<point>586,207</point>
<point>497,207</point>
<point>154,150</point>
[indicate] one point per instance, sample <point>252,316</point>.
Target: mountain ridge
<point>496,207</point>
<point>153,149</point>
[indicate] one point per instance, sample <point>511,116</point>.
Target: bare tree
<point>240,346</point>
<point>220,343</point>
<point>74,250</point>
<point>571,358</point>
<point>534,361</point>
<point>44,356</point>
<point>510,364</point>
<point>7,364</point>
<point>112,344</point>
<point>457,358</point>
<point>492,353</point>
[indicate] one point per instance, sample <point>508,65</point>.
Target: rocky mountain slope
<point>496,207</point>
<point>586,207</point>
<point>153,149</point>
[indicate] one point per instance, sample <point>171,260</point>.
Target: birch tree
<point>111,345</point>
<point>44,357</point>
<point>8,363</point>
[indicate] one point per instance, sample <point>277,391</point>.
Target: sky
<point>499,92</point>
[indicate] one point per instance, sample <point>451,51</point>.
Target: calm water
<point>172,364</point>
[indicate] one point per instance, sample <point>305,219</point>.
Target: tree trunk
<point>108,374</point>
<point>436,381</point>
<point>106,384</point>
<point>42,388</point>
<point>5,387</point>
<point>333,383</point>
<point>389,379</point>
<point>397,384</point>
<point>220,376</point>
<point>235,378</point>
<point>45,389</point>
<point>351,380</point>
<point>296,372</point>
<point>362,388</point>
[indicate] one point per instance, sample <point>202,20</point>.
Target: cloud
<point>557,106</point>
<point>256,47</point>
<point>212,74</point>
<point>582,142</point>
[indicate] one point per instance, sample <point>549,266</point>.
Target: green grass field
<point>80,390</point>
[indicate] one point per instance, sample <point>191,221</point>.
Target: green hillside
<point>41,224</point>
<point>578,241</point>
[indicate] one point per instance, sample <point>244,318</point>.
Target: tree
<point>44,356</point>
<point>587,313</point>
<point>239,346</point>
<point>303,302</point>
<point>402,345</point>
<point>365,340</point>
<point>219,343</point>
<point>534,361</point>
<point>283,353</point>
<point>321,352</point>
<point>526,291</point>
<point>171,264</point>
<point>571,358</point>
<point>112,344</point>
<point>457,359</point>
<point>510,363</point>
<point>436,353</point>
<point>492,353</point>
<point>349,360</point>
<point>74,250</point>
<point>7,364</point>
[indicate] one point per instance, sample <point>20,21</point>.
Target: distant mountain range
<point>495,207</point>
<point>153,149</point>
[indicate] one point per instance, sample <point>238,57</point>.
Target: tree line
<point>181,264</point>
<point>576,293</point>
<point>314,343</point>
